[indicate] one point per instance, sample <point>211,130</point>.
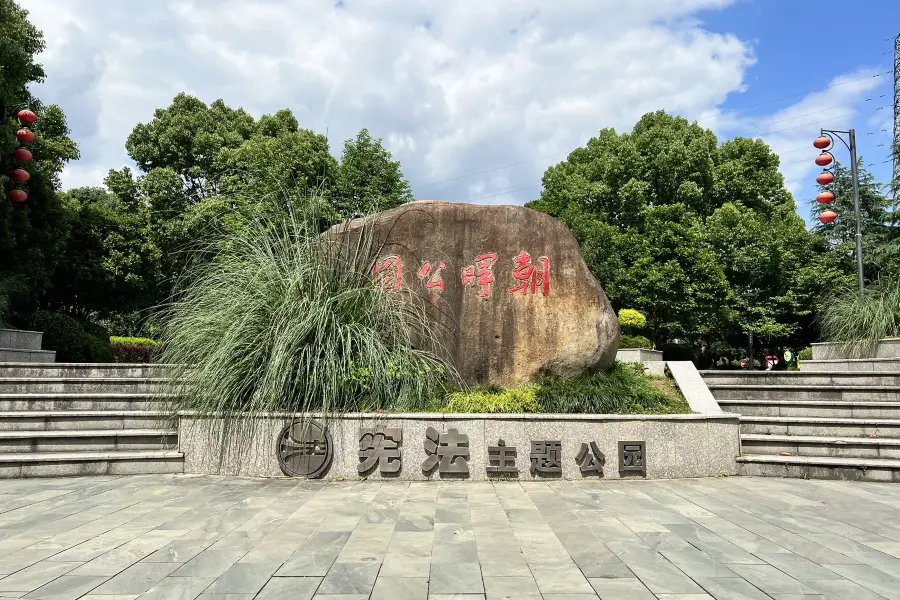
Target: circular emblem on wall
<point>304,449</point>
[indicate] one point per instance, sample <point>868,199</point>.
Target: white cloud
<point>453,88</point>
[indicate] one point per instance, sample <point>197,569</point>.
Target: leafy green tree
<point>368,178</point>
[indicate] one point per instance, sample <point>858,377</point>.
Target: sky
<point>475,98</point>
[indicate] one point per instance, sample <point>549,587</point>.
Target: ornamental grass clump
<point>285,319</point>
<point>860,320</point>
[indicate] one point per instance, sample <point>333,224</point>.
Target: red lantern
<point>824,159</point>
<point>824,178</point>
<point>25,135</point>
<point>20,175</point>
<point>828,216</point>
<point>17,195</point>
<point>825,198</point>
<point>26,116</point>
<point>822,142</point>
<point>22,155</point>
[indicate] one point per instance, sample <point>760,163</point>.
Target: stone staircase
<point>63,419</point>
<point>824,425</point>
<point>23,346</point>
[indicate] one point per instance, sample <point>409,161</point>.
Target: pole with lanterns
<point>21,155</point>
<point>825,159</point>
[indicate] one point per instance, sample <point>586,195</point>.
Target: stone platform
<point>165,537</point>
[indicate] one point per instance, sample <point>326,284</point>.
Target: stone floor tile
<point>732,588</point>
<point>397,565</point>
<point>684,597</point>
<point>350,578</point>
<point>559,578</point>
<point>570,596</point>
<point>33,577</point>
<point>511,568</point>
<point>211,562</point>
<point>136,579</point>
<point>621,589</point>
<point>295,588</point>
<point>864,575</point>
<point>67,587</point>
<point>842,589</point>
<point>400,588</point>
<point>798,567</point>
<point>178,588</point>
<point>696,564</point>
<point>797,597</point>
<point>511,588</point>
<point>771,580</point>
<point>460,578</point>
<point>243,578</point>
<point>456,597</point>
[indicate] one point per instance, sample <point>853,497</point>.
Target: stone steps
<point>79,385</point>
<point>811,445</point>
<point>104,462</point>
<point>23,346</point>
<point>76,420</point>
<point>853,364</point>
<point>811,408</point>
<point>802,378</point>
<point>834,393</point>
<point>819,467</point>
<point>821,426</point>
<point>61,401</point>
<point>89,440</point>
<point>81,370</point>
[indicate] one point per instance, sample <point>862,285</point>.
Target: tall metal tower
<point>895,148</point>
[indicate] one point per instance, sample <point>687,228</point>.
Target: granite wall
<point>694,445</point>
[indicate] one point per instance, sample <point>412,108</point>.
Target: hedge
<point>134,349</point>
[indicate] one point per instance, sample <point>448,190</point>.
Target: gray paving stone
<point>295,588</point>
<point>400,588</point>
<point>842,589</point>
<point>460,578</point>
<point>136,579</point>
<point>67,587</point>
<point>511,588</point>
<point>621,589</point>
<point>864,575</point>
<point>33,577</point>
<point>771,580</point>
<point>695,563</point>
<point>243,578</point>
<point>350,578</point>
<point>732,588</point>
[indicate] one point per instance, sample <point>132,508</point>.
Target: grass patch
<point>860,320</point>
<point>625,389</point>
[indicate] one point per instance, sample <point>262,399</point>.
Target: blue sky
<point>477,98</point>
<point>796,52</point>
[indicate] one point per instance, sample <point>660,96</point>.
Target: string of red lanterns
<point>826,177</point>
<point>22,155</point>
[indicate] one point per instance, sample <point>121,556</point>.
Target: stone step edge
<point>10,380</point>
<point>788,374</point>
<point>823,420</point>
<point>819,439</point>
<point>822,403</point>
<point>805,387</point>
<point>90,365</point>
<point>86,433</point>
<point>26,350</point>
<point>820,361</point>
<point>37,414</point>
<point>83,395</point>
<point>20,457</point>
<point>822,461</point>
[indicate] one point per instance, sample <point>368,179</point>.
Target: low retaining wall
<point>652,360</point>
<point>674,446</point>
<point>886,348</point>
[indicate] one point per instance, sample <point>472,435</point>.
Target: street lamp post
<point>825,143</point>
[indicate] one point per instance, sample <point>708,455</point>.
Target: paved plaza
<point>214,538</point>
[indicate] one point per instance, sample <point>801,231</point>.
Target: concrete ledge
<point>886,348</point>
<point>692,386</point>
<point>698,445</point>
<point>652,360</point>
<point>851,365</point>
<point>16,355</point>
<point>18,339</point>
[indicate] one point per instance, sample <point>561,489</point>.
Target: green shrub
<point>73,340</point>
<point>861,320</point>
<point>285,319</point>
<point>635,341</point>
<point>134,349</point>
<point>494,400</point>
<point>632,320</point>
<point>625,389</point>
<point>805,354</point>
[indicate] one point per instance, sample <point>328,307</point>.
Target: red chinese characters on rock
<point>529,277</point>
<point>483,263</point>
<point>389,270</point>
<point>434,280</point>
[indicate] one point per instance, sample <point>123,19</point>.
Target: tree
<point>701,237</point>
<point>368,179</point>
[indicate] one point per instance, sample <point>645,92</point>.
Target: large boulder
<point>512,294</point>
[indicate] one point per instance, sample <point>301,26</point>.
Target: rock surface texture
<point>507,284</point>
